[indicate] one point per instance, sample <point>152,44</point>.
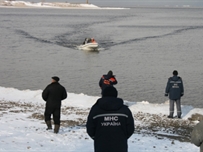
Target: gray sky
<point>133,3</point>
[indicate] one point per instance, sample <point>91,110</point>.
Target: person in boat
<point>85,41</point>
<point>89,40</point>
<point>93,40</point>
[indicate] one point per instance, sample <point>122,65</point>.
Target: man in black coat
<point>110,123</point>
<point>53,94</point>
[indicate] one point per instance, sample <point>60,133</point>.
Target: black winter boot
<point>56,128</point>
<point>48,125</point>
<point>170,116</point>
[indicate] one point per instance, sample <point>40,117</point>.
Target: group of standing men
<point>110,123</point>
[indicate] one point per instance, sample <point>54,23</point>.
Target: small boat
<point>89,44</point>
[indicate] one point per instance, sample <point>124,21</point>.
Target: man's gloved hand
<point>166,94</point>
<point>181,94</point>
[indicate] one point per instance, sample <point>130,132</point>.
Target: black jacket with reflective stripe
<point>110,124</point>
<point>174,88</point>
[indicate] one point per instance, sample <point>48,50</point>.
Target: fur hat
<point>110,92</point>
<point>56,78</point>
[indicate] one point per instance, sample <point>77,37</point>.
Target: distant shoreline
<point>66,5</point>
<point>51,5</point>
<point>28,7</point>
<point>57,5</point>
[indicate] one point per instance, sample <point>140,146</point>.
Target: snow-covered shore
<point>22,124</point>
<point>23,4</point>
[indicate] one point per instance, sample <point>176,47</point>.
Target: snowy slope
<point>23,129</point>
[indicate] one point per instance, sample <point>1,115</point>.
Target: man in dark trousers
<point>175,90</point>
<point>107,80</point>
<point>53,94</point>
<point>110,123</point>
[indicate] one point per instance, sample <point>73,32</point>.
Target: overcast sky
<point>132,3</point>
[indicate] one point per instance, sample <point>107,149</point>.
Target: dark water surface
<point>142,46</point>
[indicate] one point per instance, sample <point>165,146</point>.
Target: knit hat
<point>110,92</point>
<point>175,72</point>
<point>56,78</point>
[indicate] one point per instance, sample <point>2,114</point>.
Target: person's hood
<point>110,103</point>
<point>175,78</point>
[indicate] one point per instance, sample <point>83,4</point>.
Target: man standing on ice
<point>175,90</point>
<point>53,94</point>
<point>110,123</point>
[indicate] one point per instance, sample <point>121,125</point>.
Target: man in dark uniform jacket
<point>110,123</point>
<point>53,94</point>
<point>175,90</point>
<point>107,80</point>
